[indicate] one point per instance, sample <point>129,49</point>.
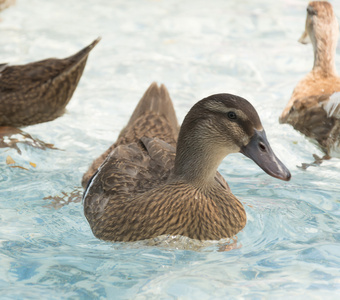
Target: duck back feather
<point>154,116</point>
<point>39,92</point>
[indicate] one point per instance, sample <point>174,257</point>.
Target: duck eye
<point>311,11</point>
<point>231,115</point>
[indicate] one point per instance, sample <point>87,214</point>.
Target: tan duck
<point>39,92</point>
<point>314,107</point>
<point>143,189</point>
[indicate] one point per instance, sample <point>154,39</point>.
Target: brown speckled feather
<point>163,210</point>
<point>39,92</point>
<point>129,200</point>
<point>154,116</point>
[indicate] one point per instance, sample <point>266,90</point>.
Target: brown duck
<point>314,107</point>
<point>39,92</point>
<point>144,189</point>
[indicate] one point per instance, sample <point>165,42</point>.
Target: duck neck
<point>324,54</point>
<point>197,160</point>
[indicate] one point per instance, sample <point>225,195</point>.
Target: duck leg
<point>230,246</point>
<point>10,137</point>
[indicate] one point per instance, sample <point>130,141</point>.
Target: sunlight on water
<point>291,244</point>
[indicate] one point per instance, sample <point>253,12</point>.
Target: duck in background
<point>314,107</point>
<point>39,92</point>
<point>146,188</point>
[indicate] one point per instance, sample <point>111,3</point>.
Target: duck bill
<point>259,150</point>
<point>304,39</point>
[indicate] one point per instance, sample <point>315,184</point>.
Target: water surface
<point>291,244</point>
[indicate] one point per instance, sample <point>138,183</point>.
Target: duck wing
<point>332,106</point>
<point>154,116</point>
<point>317,117</point>
<point>129,170</point>
<point>39,91</point>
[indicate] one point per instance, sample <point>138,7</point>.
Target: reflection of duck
<point>314,106</point>
<point>39,92</point>
<point>6,3</point>
<point>143,189</point>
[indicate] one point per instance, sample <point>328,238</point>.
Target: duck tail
<point>83,53</point>
<point>157,100</point>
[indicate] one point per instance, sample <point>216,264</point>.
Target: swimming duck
<point>146,188</point>
<point>313,108</point>
<point>39,92</point>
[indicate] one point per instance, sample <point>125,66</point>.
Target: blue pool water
<point>290,247</point>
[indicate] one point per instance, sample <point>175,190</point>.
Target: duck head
<point>217,126</point>
<point>322,31</point>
